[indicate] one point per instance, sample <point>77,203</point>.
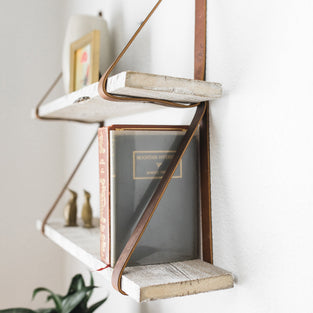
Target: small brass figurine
<point>87,211</point>
<point>70,210</point>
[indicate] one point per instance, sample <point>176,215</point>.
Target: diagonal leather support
<point>200,118</point>
<point>200,58</point>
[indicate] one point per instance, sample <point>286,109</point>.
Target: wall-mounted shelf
<point>142,283</point>
<point>129,83</point>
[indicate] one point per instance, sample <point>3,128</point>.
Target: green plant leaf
<point>17,310</point>
<point>56,298</point>
<point>50,297</point>
<point>77,283</point>
<point>72,301</point>
<point>46,311</point>
<point>96,305</point>
<point>92,284</point>
<point>82,307</point>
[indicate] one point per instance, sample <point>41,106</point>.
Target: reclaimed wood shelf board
<point>96,109</point>
<point>142,283</point>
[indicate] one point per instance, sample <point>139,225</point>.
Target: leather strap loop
<point>157,196</point>
<point>200,48</point>
<point>57,200</point>
<point>103,81</point>
<point>45,96</point>
<point>199,73</point>
<point>200,39</point>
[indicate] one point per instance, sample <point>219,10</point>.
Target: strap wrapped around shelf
<point>200,57</point>
<point>201,112</point>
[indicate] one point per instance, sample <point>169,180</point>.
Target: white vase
<point>78,26</point>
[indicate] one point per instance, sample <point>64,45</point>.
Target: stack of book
<point>132,161</point>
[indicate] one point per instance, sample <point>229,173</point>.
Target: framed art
<point>84,61</point>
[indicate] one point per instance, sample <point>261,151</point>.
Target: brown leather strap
<point>199,73</point>
<point>201,110</point>
<point>151,207</point>
<point>200,40</point>
<point>42,100</point>
<point>103,81</point>
<point>200,57</point>
<point>57,200</point>
<point>55,203</point>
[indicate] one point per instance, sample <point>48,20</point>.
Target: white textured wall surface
<point>261,145</point>
<point>31,151</point>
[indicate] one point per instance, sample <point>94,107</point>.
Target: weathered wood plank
<point>97,109</point>
<point>163,87</point>
<point>178,279</point>
<point>142,283</point>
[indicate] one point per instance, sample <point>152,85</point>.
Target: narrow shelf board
<point>129,83</point>
<point>142,283</point>
<point>163,87</point>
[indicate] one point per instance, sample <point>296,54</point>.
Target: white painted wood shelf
<point>129,83</point>
<point>142,283</point>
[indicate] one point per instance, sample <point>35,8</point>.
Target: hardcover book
<point>132,160</point>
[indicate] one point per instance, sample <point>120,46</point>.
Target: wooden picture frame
<point>84,61</point>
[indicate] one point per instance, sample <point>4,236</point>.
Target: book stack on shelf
<point>132,161</point>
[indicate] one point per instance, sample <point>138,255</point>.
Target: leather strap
<point>200,56</point>
<point>200,40</point>
<point>156,198</point>
<point>199,73</point>
<point>45,96</point>
<point>103,81</point>
<point>57,200</point>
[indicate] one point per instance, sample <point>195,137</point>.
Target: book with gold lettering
<point>132,160</point>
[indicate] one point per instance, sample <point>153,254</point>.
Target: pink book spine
<point>104,169</point>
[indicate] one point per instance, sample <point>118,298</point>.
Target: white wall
<point>31,35</point>
<point>260,141</point>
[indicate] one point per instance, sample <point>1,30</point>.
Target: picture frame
<point>84,61</point>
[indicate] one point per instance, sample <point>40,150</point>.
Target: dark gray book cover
<point>139,158</point>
